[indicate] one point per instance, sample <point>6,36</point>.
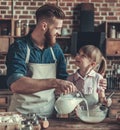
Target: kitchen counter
<point>65,124</point>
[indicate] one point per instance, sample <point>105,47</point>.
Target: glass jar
<point>18,28</point>
<point>27,28</point>
<point>112,32</point>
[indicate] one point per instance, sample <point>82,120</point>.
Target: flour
<point>92,119</point>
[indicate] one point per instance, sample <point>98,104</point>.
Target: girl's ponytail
<point>103,66</point>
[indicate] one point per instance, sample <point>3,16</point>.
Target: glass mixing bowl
<point>94,115</point>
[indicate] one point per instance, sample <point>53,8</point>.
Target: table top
<point>67,124</point>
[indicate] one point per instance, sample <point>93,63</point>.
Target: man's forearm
<point>26,85</point>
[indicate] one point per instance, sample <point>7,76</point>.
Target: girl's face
<point>83,61</point>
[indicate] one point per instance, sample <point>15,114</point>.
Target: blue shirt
<point>15,60</point>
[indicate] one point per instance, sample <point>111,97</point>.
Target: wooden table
<point>65,124</point>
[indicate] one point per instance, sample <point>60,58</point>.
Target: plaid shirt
<point>88,83</point>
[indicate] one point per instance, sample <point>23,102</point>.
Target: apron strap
<point>94,84</point>
<point>28,55</point>
<point>53,54</point>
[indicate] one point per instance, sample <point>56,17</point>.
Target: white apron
<point>41,103</point>
<point>93,98</point>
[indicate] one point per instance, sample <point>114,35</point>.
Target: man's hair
<point>48,11</point>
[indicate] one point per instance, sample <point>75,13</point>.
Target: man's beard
<point>48,39</point>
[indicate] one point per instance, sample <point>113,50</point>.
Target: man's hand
<point>65,87</point>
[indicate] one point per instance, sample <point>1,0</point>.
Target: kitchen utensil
<point>102,106</point>
<point>92,116</point>
<point>66,103</point>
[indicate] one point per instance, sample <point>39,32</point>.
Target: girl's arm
<point>102,98</point>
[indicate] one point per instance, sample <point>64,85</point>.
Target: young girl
<point>92,67</point>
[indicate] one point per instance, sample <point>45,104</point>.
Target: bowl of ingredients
<point>94,115</point>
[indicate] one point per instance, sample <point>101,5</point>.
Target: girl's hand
<point>107,102</point>
<point>103,83</point>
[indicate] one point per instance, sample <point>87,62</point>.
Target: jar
<point>18,28</point>
<point>113,32</point>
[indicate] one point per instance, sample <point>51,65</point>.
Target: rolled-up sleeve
<point>13,78</point>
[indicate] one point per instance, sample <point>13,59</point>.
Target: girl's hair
<point>48,11</point>
<point>95,54</point>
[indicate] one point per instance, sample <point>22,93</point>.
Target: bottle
<point>113,32</point>
<point>18,28</point>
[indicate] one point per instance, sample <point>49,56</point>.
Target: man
<point>38,53</point>
<point>36,65</point>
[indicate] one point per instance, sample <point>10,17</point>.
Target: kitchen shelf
<point>6,38</point>
<point>112,47</point>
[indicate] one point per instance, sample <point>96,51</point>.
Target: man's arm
<point>28,85</point>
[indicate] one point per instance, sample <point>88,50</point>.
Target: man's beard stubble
<point>48,39</point>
